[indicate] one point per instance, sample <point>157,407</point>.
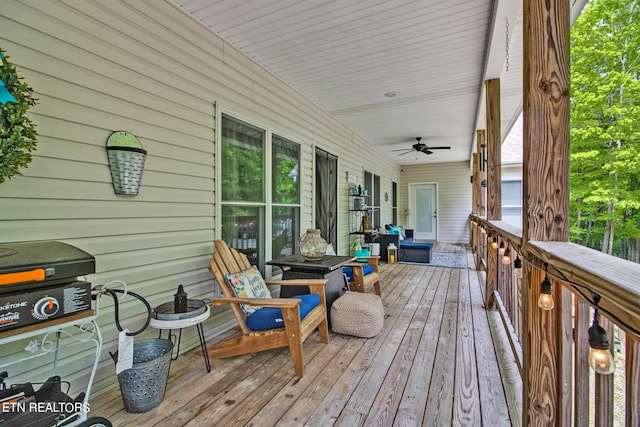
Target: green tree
<point>605,127</point>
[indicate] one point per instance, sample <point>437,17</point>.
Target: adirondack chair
<point>295,331</point>
<point>362,276</point>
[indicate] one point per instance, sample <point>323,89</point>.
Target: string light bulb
<point>545,301</point>
<point>600,355</point>
<point>494,243</point>
<point>517,266</point>
<point>506,258</point>
<point>502,249</point>
<point>517,263</point>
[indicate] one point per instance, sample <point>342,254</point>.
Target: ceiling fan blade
<point>438,148</point>
<point>426,151</point>
<point>406,152</point>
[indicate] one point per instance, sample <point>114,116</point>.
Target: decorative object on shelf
<point>312,246</point>
<point>358,204</point>
<point>367,224</point>
<point>18,131</point>
<point>126,162</point>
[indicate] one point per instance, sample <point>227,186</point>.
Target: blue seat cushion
<point>271,317</point>
<point>349,271</point>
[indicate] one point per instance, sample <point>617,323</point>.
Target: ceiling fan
<point>419,146</point>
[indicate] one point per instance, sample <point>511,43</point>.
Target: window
<point>285,196</point>
<point>372,185</point>
<point>247,163</point>
<point>512,202</point>
<point>394,202</point>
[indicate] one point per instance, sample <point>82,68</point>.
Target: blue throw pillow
<point>348,271</point>
<point>271,317</point>
<point>397,230</point>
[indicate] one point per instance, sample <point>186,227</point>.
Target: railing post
<point>494,180</point>
<point>632,383</point>
<point>604,387</point>
<point>545,201</point>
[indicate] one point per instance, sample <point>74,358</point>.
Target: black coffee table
<point>329,267</point>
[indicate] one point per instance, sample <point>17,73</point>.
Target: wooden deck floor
<point>433,364</point>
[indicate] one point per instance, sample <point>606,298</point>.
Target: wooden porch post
<point>474,204</point>
<point>479,192</point>
<point>481,198</point>
<point>546,201</point>
<point>494,180</point>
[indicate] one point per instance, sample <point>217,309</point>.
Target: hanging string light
<point>517,263</point>
<point>502,249</point>
<point>545,301</point>
<point>517,266</point>
<point>506,258</point>
<point>600,356</point>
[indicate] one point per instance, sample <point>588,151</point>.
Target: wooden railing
<point>579,275</point>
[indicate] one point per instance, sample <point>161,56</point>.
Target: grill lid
<point>27,265</point>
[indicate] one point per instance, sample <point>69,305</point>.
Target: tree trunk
<point>633,250</point>
<point>605,237</point>
<point>588,235</point>
<point>579,214</point>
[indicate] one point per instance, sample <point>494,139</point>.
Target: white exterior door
<point>424,211</point>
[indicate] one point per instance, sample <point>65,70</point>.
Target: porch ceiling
<point>345,55</point>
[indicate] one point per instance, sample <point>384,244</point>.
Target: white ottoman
<point>357,314</point>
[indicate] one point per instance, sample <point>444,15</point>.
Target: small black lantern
<point>180,301</point>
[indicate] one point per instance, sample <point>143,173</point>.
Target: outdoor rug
<point>444,259</point>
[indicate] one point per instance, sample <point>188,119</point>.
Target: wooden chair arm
<point>358,266</point>
<point>297,282</point>
<point>371,260</point>
<point>355,264</point>
<point>259,302</point>
<point>316,286</point>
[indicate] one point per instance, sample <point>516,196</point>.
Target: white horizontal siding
<point>147,68</point>
<point>454,196</point>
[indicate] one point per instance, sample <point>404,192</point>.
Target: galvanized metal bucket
<point>143,385</point>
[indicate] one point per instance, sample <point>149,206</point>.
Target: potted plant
<point>17,131</point>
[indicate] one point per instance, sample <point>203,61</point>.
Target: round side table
<point>179,324</point>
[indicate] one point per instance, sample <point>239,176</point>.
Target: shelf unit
<point>360,218</point>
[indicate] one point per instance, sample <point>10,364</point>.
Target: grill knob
<point>45,307</point>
